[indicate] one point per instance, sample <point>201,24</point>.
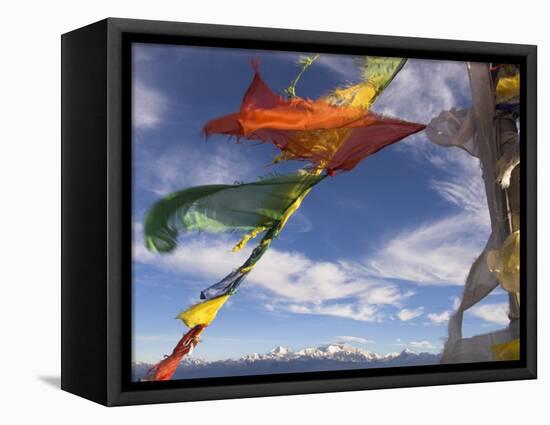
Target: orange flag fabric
<point>165,369</point>
<point>333,137</point>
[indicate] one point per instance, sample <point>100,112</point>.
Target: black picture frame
<point>96,211</point>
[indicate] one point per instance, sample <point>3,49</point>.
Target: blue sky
<point>376,257</point>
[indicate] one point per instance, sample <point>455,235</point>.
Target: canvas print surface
<point>301,212</point>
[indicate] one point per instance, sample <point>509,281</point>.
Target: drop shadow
<point>54,381</point>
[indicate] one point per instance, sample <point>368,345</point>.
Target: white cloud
<point>440,251</point>
<point>456,303</point>
<point>357,339</point>
<point>422,344</point>
<point>287,281</point>
<point>463,186</point>
<point>385,294</point>
<point>423,89</point>
<point>418,345</point>
<point>406,314</point>
<point>492,313</point>
<point>436,253</point>
<point>439,318</point>
<point>354,311</point>
<point>164,173</point>
<point>148,106</point>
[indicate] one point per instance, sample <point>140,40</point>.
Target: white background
<point>30,211</point>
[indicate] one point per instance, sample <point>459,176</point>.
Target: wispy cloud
<point>406,314</point>
<point>354,311</point>
<point>286,281</point>
<point>422,344</point>
<point>439,251</point>
<point>456,302</point>
<point>164,173</point>
<point>462,185</point>
<point>435,253</point>
<point>418,345</point>
<point>356,339</point>
<point>492,313</point>
<point>439,318</point>
<point>148,106</point>
<point>423,89</point>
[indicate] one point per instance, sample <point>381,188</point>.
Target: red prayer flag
<point>165,369</point>
<point>330,136</point>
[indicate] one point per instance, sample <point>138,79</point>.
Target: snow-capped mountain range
<point>283,360</point>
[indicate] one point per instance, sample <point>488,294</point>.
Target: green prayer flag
<point>223,208</point>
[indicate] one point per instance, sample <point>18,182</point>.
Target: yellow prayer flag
<point>203,313</point>
<point>507,89</point>
<point>504,263</point>
<point>506,351</point>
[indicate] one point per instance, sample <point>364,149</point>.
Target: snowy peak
<point>280,351</point>
<point>342,352</point>
<point>338,348</point>
<point>281,359</point>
